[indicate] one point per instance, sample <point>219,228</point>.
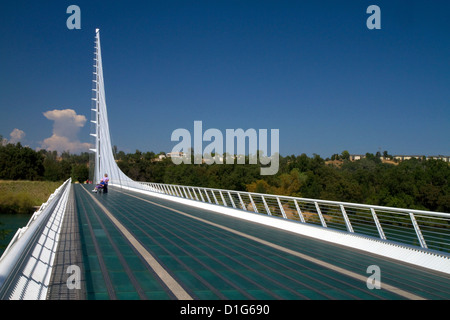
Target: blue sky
<point>311,69</point>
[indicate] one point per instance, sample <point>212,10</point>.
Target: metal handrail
<point>27,236</point>
<point>425,229</point>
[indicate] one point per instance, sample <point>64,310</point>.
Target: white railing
<point>40,231</point>
<point>425,229</point>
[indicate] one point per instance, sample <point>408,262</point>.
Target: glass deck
<point>212,263</point>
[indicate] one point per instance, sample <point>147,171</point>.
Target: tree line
<point>415,184</point>
<point>23,163</point>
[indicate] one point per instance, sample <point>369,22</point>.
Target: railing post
<point>266,206</point>
<point>242,202</point>
<point>223,199</point>
<point>201,196</point>
<point>166,189</point>
<point>231,199</point>
<point>180,191</point>
<point>299,211</point>
<point>418,232</point>
<point>253,204</point>
<point>207,196</point>
<point>281,208</point>
<point>346,219</point>
<point>319,212</point>
<point>190,195</point>
<point>214,196</point>
<point>195,194</point>
<point>377,223</point>
<point>185,193</point>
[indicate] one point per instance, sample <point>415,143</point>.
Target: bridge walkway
<point>136,246</point>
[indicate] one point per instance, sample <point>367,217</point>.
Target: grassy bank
<point>23,196</point>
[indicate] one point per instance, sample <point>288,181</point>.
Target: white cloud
<point>16,136</point>
<point>66,126</point>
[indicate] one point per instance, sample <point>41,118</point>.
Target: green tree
<point>345,155</point>
<point>18,162</point>
<point>80,172</point>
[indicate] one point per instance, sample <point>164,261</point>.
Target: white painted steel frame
<point>103,153</point>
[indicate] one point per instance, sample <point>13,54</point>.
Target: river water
<point>11,222</point>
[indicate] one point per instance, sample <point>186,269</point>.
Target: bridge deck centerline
<point>171,283</point>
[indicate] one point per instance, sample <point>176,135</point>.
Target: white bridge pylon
<point>104,162</point>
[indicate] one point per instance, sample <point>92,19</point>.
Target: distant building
<point>176,154</point>
<point>408,157</point>
<point>440,157</point>
<point>354,157</point>
<point>159,158</point>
